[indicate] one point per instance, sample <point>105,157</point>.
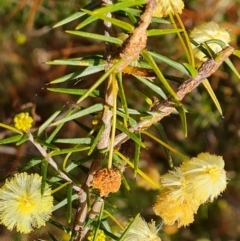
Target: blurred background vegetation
<point>27,41</point>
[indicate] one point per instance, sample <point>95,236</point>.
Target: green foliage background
<point>27,42</point>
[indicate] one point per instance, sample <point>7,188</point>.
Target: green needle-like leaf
<point>90,6</point>
<point>69,202</point>
<point>48,121</point>
<point>96,36</point>
<point>122,24</point>
<point>94,93</point>
<point>156,32</point>
<point>159,74</point>
<point>182,114</point>
<point>44,168</point>
<point>170,62</point>
<point>212,94</point>
<point>79,74</point>
<point>87,111</point>
<point>11,139</point>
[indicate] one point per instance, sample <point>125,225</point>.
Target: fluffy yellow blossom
<point>206,177</point>
<point>142,231</point>
<point>23,121</point>
<point>174,203</point>
<point>184,189</point>
<point>22,205</point>
<point>100,236</point>
<point>166,7</point>
<point>209,31</point>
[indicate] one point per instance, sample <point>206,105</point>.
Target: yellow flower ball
<point>206,177</point>
<point>185,188</point>
<point>21,204</point>
<point>23,121</point>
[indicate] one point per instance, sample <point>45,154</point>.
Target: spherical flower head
<point>142,231</point>
<point>205,176</point>
<point>22,205</point>
<point>100,236</point>
<point>23,121</point>
<point>106,181</point>
<point>209,31</point>
<point>166,7</point>
<point>174,203</point>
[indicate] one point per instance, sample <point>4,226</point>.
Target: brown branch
<point>166,107</point>
<point>137,41</point>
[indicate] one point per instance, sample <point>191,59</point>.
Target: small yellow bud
<point>100,236</point>
<point>23,121</point>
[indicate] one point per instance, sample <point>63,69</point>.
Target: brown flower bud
<point>106,181</point>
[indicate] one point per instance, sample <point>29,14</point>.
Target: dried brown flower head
<point>106,181</point>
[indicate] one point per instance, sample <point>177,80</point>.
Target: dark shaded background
<point>27,41</point>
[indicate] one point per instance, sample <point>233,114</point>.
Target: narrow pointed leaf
<point>11,128</point>
<point>123,97</point>
<point>182,114</point>
<point>69,150</point>
<point>78,74</point>
<point>152,86</point>
<point>136,155</point>
<point>44,168</point>
<point>170,62</point>
<point>86,22</point>
<point>124,25</point>
<point>96,139</point>
<point>69,202</point>
<point>79,141</point>
<point>11,139</point>
<point>94,93</point>
<point>57,129</point>
<point>87,111</point>
<point>22,140</point>
<point>159,74</point>
<point>156,32</point>
<point>232,67</point>
<point>48,121</point>
<point>100,80</point>
<point>90,6</point>
<point>64,202</point>
<point>120,6</point>
<point>84,61</point>
<point>212,94</point>
<point>69,19</point>
<point>130,134</point>
<point>96,36</point>
<point>60,226</point>
<point>35,161</point>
